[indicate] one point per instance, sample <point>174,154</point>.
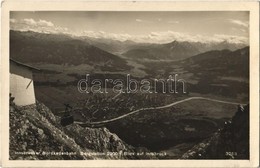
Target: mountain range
<point>32,47</point>
<point>174,50</point>
<point>170,51</point>
<point>177,50</point>
<point>60,48</point>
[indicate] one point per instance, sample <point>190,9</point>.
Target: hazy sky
<point>138,26</point>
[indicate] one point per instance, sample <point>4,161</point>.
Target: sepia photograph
<point>130,85</point>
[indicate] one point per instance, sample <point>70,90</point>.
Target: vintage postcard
<point>130,84</point>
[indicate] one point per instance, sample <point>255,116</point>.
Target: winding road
<point>154,108</point>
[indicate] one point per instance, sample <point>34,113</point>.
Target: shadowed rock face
<point>231,142</point>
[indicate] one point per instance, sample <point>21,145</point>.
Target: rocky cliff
<point>35,134</point>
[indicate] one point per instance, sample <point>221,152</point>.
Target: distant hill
<point>170,51</point>
<point>220,72</point>
<point>214,63</point>
<point>177,50</point>
<point>32,47</point>
<point>225,62</point>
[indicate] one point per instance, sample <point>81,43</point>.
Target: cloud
<point>41,23</point>
<point>230,38</point>
<point>168,36</point>
<point>239,29</point>
<point>42,26</point>
<point>138,20</point>
<point>30,22</point>
<point>45,23</point>
<point>102,34</point>
<point>239,22</point>
<point>12,20</point>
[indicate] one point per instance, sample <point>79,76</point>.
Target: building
<point>21,83</point>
